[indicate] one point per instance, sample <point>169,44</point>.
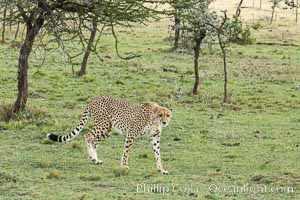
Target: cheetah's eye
<point>160,115</point>
<point>168,115</point>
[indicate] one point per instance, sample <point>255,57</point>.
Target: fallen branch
<point>165,69</point>
<point>276,43</point>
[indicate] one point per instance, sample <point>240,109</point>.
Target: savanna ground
<point>211,150</point>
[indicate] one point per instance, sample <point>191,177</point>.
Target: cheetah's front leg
<point>155,140</point>
<point>128,142</point>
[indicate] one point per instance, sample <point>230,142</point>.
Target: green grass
<point>253,141</point>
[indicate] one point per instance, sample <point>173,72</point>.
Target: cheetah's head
<point>162,114</point>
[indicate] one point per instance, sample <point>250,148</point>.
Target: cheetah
<point>128,119</point>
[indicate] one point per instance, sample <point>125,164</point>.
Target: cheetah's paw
<point>97,162</point>
<point>165,172</point>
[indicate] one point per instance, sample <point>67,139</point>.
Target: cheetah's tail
<point>74,133</point>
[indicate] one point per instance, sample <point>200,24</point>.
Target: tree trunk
<point>273,11</point>
<point>238,9</point>
<point>260,3</point>
<point>10,22</point>
<point>88,50</point>
<point>297,11</point>
<point>17,31</point>
<point>223,48</point>
<point>31,32</point>
<point>198,41</point>
<point>3,25</point>
<point>22,77</point>
<point>225,75</point>
<point>196,65</point>
<point>177,31</point>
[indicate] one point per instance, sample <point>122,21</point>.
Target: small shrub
<point>54,174</point>
<point>82,98</point>
<point>81,196</point>
<point>246,36</point>
<point>39,73</point>
<point>214,172</point>
<point>69,104</point>
<point>88,79</point>
<point>239,34</point>
<point>94,177</point>
<point>119,64</point>
<point>257,25</point>
<point>76,145</point>
<point>6,112</point>
<point>43,164</point>
<point>48,141</point>
<point>143,155</point>
<point>121,172</point>
<point>32,114</point>
<point>7,178</point>
<point>118,82</point>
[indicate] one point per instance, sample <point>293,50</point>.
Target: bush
<point>6,112</point>
<point>256,26</point>
<point>241,35</point>
<point>30,114</point>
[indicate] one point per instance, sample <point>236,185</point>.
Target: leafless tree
<point>297,10</point>
<point>275,4</point>
<point>238,9</point>
<point>223,33</point>
<point>260,4</point>
<point>4,24</point>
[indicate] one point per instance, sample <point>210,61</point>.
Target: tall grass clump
<point>29,114</point>
<point>6,112</point>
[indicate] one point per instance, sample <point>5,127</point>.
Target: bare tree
<point>297,11</point>
<point>275,4</point>
<point>223,29</point>
<point>238,9</point>
<point>223,33</point>
<point>260,4</point>
<point>17,30</point>
<point>3,24</point>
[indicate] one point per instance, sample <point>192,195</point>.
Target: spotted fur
<point>128,119</point>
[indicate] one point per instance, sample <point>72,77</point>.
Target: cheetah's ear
<point>154,106</point>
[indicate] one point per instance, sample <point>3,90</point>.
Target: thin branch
<point>48,9</point>
<point>238,9</point>
<point>116,46</point>
<point>27,20</point>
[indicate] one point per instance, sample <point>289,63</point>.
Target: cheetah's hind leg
<point>91,143</point>
<point>92,140</point>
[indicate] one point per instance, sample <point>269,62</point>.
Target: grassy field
<point>248,149</point>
